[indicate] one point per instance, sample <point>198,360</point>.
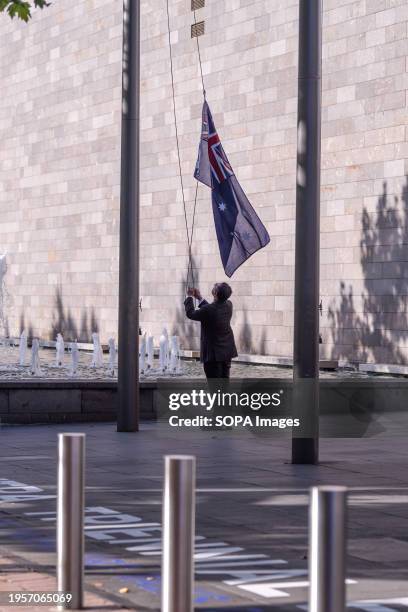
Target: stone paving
<point>251,548</point>
<point>10,370</point>
<point>16,577</point>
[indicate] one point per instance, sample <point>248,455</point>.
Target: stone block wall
<point>59,168</point>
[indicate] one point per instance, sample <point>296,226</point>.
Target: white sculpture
<point>174,355</point>
<point>74,358</point>
<point>164,350</point>
<point>97,355</point>
<point>4,296</point>
<point>142,355</point>
<point>150,353</point>
<point>35,358</point>
<point>22,348</point>
<point>60,346</point>
<point>112,355</point>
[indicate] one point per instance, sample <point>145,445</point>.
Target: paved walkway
<point>251,516</point>
<point>17,577</point>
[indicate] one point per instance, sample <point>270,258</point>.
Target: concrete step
<point>324,364</point>
<point>383,368</point>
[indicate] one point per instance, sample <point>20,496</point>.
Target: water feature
<point>35,358</point>
<point>175,358</point>
<point>60,351</point>
<point>142,355</point>
<point>164,350</point>
<point>150,352</point>
<point>112,355</point>
<point>22,349</point>
<point>49,360</point>
<point>73,348</point>
<point>97,355</point>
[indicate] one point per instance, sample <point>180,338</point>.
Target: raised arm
<point>195,314</point>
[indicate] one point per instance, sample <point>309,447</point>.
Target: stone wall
<point>59,167</point>
<point>59,164</point>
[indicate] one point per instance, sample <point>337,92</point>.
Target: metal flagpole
<point>128,349</point>
<point>305,443</point>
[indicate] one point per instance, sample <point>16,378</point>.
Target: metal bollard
<point>70,518</point>
<point>327,549</point>
<point>178,534</point>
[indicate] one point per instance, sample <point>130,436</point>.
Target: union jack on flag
<point>240,231</point>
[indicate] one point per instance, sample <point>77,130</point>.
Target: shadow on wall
<point>246,343</point>
<point>65,324</point>
<point>4,297</point>
<point>187,330</point>
<point>29,329</point>
<point>380,327</point>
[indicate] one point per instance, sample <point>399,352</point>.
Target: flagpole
<point>128,345</point>
<point>305,442</point>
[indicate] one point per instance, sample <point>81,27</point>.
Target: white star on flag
<point>222,206</point>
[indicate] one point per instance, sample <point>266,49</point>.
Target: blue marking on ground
<point>150,582</point>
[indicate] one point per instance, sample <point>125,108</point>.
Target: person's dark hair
<point>224,292</point>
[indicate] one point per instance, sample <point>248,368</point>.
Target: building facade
<point>60,110</point>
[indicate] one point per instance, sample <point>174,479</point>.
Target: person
<point>217,344</point>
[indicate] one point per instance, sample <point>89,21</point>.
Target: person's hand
<point>193,292</point>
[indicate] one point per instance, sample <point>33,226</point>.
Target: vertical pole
<point>305,443</point>
<point>327,549</point>
<point>128,349</point>
<point>70,518</point>
<point>178,534</point>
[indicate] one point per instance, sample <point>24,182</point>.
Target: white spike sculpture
<point>112,355</point>
<point>4,296</point>
<point>35,358</point>
<point>60,346</point>
<point>150,352</point>
<point>22,348</point>
<point>97,355</point>
<point>174,355</point>
<point>164,350</point>
<point>74,358</point>
<point>142,355</point>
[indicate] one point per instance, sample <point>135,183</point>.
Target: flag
<point>240,232</point>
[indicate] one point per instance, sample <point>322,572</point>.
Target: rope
<point>199,55</point>
<point>189,235</point>
<point>190,262</point>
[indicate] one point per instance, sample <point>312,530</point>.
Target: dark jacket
<point>217,338</point>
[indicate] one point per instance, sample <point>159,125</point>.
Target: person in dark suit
<point>217,344</point>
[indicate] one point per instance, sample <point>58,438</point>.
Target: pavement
<point>251,526</point>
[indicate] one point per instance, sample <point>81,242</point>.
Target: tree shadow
<point>378,329</point>
<point>246,342</point>
<point>187,330</point>
<point>64,323</point>
<point>4,296</point>
<point>23,326</point>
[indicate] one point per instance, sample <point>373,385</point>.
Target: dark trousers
<point>217,369</point>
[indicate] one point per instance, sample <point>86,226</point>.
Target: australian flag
<point>240,232</point>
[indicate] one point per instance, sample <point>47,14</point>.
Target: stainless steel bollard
<point>327,549</point>
<point>178,534</point>
<point>70,518</point>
